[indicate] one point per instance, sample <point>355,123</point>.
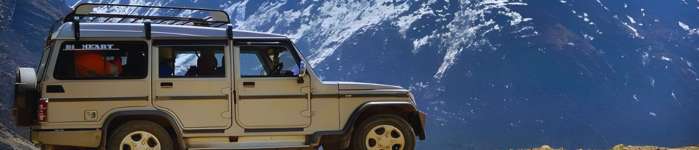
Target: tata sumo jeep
<point>109,79</point>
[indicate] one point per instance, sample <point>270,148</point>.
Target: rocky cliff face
<point>24,25</point>
<point>7,9</point>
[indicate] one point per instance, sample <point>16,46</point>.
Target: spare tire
<point>26,97</point>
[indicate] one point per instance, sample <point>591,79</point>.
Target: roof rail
<point>120,13</point>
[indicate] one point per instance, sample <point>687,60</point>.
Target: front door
<point>193,82</point>
<point>270,94</point>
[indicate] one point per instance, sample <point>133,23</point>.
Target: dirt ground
<point>628,147</point>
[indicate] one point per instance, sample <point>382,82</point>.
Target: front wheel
<point>383,132</point>
<point>140,135</point>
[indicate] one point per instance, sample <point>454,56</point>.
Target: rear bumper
<point>68,137</point>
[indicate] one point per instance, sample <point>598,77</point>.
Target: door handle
<point>248,84</point>
<point>166,84</point>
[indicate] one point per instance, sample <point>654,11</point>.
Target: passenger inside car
<point>190,61</point>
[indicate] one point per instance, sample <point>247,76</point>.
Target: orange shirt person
<point>93,64</point>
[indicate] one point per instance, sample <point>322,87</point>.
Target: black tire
<point>138,126</point>
<point>334,145</point>
<point>336,142</point>
<point>360,135</point>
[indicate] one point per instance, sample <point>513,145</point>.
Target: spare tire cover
<point>26,97</point>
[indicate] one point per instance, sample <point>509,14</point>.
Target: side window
<point>191,61</point>
<point>101,60</point>
<point>268,61</point>
<point>251,64</point>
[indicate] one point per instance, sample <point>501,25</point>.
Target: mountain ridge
<point>491,74</point>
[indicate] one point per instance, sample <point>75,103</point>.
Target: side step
<point>250,142</point>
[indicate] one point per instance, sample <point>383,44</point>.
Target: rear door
<point>270,98</point>
<point>192,81</point>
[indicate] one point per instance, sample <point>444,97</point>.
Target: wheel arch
<point>404,109</point>
<point>118,118</point>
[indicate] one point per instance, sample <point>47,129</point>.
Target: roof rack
<point>108,13</point>
<point>119,13</point>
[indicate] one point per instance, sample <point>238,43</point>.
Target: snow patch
<point>683,25</point>
<point>665,58</point>
<point>418,43</point>
<point>468,27</point>
<point>405,22</point>
<point>689,64</point>
<point>645,58</point>
<point>634,31</point>
<point>588,37</point>
<point>602,5</point>
<point>686,27</point>
<point>674,96</point>
<point>633,21</point>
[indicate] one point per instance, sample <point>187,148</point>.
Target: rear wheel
<point>383,132</point>
<point>140,135</point>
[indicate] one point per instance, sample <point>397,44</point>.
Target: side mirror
<point>302,73</point>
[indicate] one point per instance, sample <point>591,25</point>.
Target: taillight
<point>43,110</point>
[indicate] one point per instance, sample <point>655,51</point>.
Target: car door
<point>270,94</point>
<point>192,81</point>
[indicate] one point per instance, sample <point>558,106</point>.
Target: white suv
<point>123,81</point>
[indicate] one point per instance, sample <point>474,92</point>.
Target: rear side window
<point>191,61</point>
<point>101,60</point>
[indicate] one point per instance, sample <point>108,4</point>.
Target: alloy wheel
<point>140,140</point>
<point>385,137</point>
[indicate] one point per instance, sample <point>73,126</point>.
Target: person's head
<point>166,57</point>
<point>207,62</point>
<point>169,62</point>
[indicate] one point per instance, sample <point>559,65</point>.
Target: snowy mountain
<point>491,74</point>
